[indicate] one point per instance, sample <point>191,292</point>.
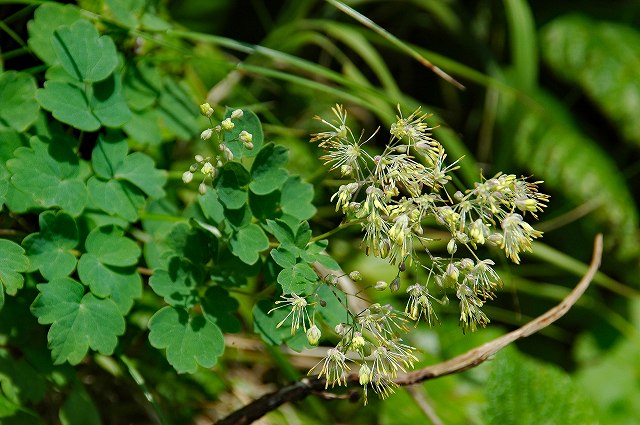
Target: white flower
<point>187,176</point>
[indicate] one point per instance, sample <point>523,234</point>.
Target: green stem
<point>139,380</point>
<point>332,231</point>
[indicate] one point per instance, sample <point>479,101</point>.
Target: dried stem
<point>468,360</point>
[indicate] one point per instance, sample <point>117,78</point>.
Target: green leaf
<point>140,170</point>
<point>267,171</point>
<point>178,285</point>
<point>177,110</point>
<point>521,390</point>
<point>267,206</point>
<point>247,243</point>
<point>303,235</point>
<point>142,85</point>
<point>231,185</point>
<point>603,59</point>
<point>86,109</point>
<point>18,109</point>
<point>189,340</point>
<point>78,408</point>
<point>237,219</point>
<point>50,173</point>
<point>46,19</point>
<point>250,123</point>
<point>123,285</point>
<point>219,308</point>
<point>281,230</point>
<point>20,381</point>
<point>13,263</point>
<point>108,104</point>
<point>110,247</point>
<point>283,257</point>
<point>78,321</point>
<point>264,323</point>
<point>50,250</point>
<point>83,53</point>
<point>110,160</point>
<point>143,128</point>
<point>191,243</point>
<point>297,197</point>
<point>211,206</point>
<point>295,279</point>
<point>68,104</point>
<point>116,197</point>
<point>333,310</point>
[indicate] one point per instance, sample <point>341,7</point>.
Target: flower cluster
<point>372,342</point>
<point>208,166</point>
<point>392,194</point>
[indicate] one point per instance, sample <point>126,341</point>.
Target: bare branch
<point>468,360</point>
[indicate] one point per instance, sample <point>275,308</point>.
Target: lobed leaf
<point>189,340</point>
<point>230,185</point>
<point>13,263</point>
<point>83,53</point>
<point>46,19</point>
<point>267,171</point>
<point>219,307</point>
<point>122,285</point>
<point>48,174</point>
<point>178,285</point>
<point>78,322</point>
<point>18,109</point>
<point>297,197</point>
<point>247,243</point>
<point>109,245</point>
<point>50,250</point>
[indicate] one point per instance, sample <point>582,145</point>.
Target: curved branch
<point>468,360</point>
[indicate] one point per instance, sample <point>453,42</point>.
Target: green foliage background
<point>112,282</point>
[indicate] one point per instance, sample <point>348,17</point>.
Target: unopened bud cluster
<point>209,166</point>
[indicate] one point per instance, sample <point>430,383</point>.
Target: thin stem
<point>139,380</point>
<point>332,231</point>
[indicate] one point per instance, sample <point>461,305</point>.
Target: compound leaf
<point>13,263</point>
<point>68,104</point>
<point>83,53</point>
<point>189,340</point>
<point>50,250</point>
<point>116,197</point>
<point>110,247</point>
<point>18,109</point>
<point>268,172</point>
<point>78,321</point>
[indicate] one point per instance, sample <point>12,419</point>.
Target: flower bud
<point>206,110</point>
<point>313,335</point>
<point>452,247</point>
<point>187,176</point>
<point>245,136</point>
<point>227,124</point>
<point>364,374</point>
<point>346,169</point>
<point>206,135</point>
<point>237,114</point>
<point>381,285</point>
<point>395,284</point>
<point>357,342</point>
<point>451,274</point>
<point>199,158</point>
<point>207,169</point>
<point>248,146</point>
<point>355,276</point>
<point>202,188</point>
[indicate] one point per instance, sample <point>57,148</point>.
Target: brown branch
<point>468,360</point>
